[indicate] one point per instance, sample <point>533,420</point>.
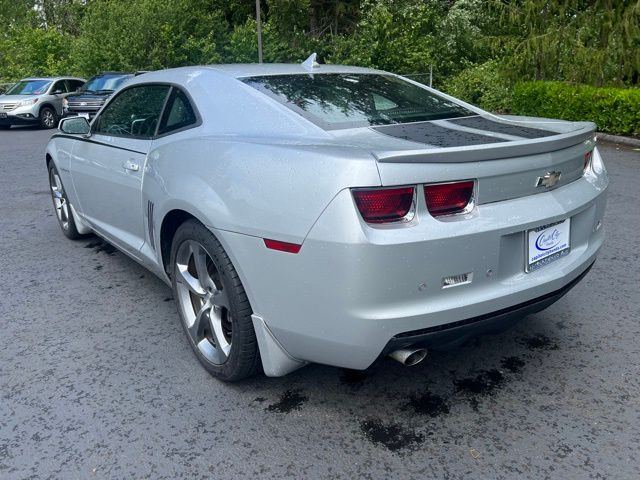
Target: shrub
<point>614,110</point>
<point>482,85</point>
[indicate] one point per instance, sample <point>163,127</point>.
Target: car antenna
<point>311,63</point>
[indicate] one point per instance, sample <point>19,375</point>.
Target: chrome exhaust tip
<point>409,356</point>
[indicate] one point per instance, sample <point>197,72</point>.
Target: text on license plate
<point>548,243</point>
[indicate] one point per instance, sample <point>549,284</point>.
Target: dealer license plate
<point>547,243</point>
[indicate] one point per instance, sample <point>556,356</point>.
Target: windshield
<point>29,87</point>
<point>101,83</point>
<point>334,101</point>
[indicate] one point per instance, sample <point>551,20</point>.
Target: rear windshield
<point>105,83</point>
<point>334,101</point>
<point>29,87</point>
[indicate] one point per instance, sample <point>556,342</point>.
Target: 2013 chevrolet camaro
<point>330,214</point>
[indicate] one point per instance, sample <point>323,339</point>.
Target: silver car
<point>36,101</point>
<point>330,214</point>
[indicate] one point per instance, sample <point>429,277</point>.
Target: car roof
<point>53,79</point>
<point>241,70</point>
<point>244,70</point>
<point>113,73</point>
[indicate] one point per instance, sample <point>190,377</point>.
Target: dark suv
<point>95,93</point>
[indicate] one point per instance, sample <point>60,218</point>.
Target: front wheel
<point>48,117</point>
<point>213,305</point>
<point>61,205</point>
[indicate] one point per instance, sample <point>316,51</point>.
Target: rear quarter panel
<point>252,186</point>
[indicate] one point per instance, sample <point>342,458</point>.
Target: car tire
<point>213,305</point>
<point>48,117</point>
<point>61,205</point>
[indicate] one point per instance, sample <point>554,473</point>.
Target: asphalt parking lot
<point>97,379</point>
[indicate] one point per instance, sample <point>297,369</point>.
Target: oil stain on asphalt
<point>101,246</point>
<point>485,383</point>
<point>538,342</point>
<point>393,436</point>
<point>512,364</point>
<point>290,400</point>
<point>428,404</point>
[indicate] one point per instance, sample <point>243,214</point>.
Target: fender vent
<point>152,240</point>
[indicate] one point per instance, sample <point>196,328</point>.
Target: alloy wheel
<point>203,301</point>
<point>48,118</point>
<point>59,199</point>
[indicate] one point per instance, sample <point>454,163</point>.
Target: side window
<point>74,84</point>
<point>60,86</point>
<point>133,113</point>
<point>178,113</point>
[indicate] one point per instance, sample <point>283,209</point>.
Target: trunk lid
<point>507,155</point>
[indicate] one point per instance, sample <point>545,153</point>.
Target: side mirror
<point>75,126</point>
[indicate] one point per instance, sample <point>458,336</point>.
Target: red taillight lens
<point>384,205</point>
<point>282,246</point>
<point>448,198</point>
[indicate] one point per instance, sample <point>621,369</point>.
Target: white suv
<point>36,101</point>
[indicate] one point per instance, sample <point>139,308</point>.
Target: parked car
<point>95,93</point>
<point>330,214</point>
<point>36,101</point>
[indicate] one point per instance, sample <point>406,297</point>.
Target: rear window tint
<point>334,101</point>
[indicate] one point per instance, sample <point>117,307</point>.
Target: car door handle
<point>131,166</point>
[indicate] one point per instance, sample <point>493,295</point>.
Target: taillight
<point>383,205</point>
<point>448,198</point>
<point>587,161</point>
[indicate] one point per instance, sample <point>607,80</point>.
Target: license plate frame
<point>546,244</point>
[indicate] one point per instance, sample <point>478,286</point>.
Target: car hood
<point>473,138</point>
<point>16,98</point>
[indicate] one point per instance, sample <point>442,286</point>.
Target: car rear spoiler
<point>492,151</point>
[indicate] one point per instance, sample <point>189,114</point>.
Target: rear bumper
<point>445,336</point>
<point>353,290</point>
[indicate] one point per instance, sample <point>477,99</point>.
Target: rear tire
<point>61,205</point>
<point>48,117</point>
<point>213,305</point>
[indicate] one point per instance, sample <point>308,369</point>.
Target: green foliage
<point>147,35</point>
<point>614,110</point>
<point>395,36</point>
<point>484,85</point>
<point>30,52</point>
<point>477,48</point>
<point>587,41</point>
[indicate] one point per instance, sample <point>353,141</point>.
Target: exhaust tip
<point>409,356</point>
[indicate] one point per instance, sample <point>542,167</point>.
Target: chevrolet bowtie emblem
<point>548,180</point>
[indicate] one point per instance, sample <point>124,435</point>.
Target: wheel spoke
<point>201,321</point>
<point>200,260</point>
<point>65,211</point>
<point>192,283</point>
<point>222,346</point>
